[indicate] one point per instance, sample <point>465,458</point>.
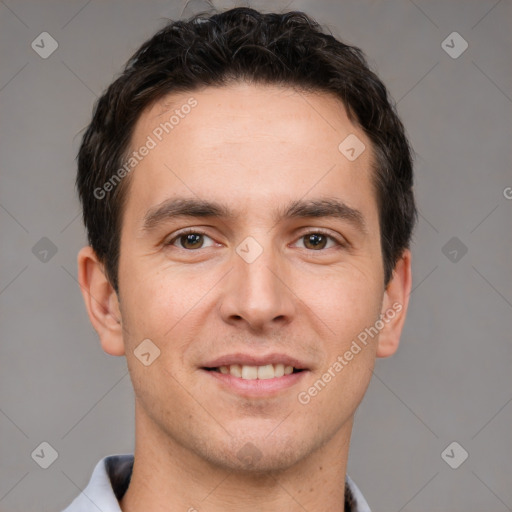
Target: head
<point>239,122</point>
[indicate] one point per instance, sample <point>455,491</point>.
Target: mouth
<point>249,372</point>
<point>255,376</point>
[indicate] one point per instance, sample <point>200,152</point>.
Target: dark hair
<point>242,44</point>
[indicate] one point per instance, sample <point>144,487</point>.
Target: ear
<point>394,306</point>
<point>101,302</point>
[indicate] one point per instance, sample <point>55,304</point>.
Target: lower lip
<point>256,387</point>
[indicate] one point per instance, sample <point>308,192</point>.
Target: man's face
<point>255,287</point>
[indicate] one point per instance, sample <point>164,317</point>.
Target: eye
<point>189,240</point>
<point>193,239</point>
<point>317,240</point>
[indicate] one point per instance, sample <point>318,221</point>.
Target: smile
<point>249,383</point>
<point>247,372</point>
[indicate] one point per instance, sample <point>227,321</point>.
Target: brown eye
<point>317,240</point>
<point>189,240</point>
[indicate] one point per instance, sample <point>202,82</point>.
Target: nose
<point>258,293</point>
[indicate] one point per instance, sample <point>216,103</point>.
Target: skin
<point>254,148</point>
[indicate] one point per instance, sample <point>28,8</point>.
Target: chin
<point>259,456</point>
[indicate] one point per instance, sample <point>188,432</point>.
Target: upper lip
<point>255,360</point>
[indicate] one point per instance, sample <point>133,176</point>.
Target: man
<point>247,192</point>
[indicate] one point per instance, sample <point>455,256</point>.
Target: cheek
<point>153,301</point>
<point>348,310</point>
<point>157,311</point>
<point>167,308</point>
<point>346,302</point>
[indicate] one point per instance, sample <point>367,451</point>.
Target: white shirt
<point>111,477</point>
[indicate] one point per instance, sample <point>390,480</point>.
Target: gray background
<point>451,379</point>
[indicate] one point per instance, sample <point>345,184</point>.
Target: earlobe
<point>101,302</point>
<point>394,306</point>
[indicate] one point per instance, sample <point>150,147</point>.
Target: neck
<point>167,477</point>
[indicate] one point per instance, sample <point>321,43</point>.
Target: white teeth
<point>265,372</point>
<point>235,370</point>
<point>279,370</point>
<point>268,371</point>
<point>249,372</point>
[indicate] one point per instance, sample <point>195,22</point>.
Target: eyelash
<point>199,232</point>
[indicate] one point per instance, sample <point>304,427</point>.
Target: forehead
<point>248,145</point>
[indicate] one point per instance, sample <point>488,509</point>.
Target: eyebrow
<point>200,208</point>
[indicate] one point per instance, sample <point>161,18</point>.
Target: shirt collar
<point>111,477</point>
